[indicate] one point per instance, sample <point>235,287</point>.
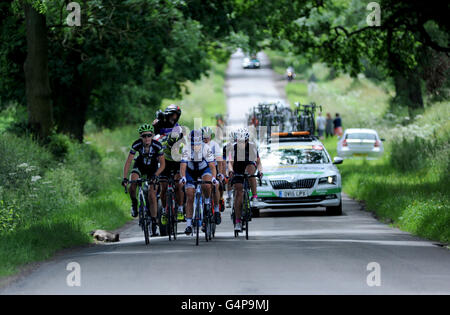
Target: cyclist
<point>146,163</point>
<point>244,158</point>
<point>172,143</point>
<point>208,136</point>
<point>167,120</point>
<point>197,161</point>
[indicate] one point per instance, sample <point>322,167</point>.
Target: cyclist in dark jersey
<point>146,163</point>
<point>244,157</point>
<point>167,120</point>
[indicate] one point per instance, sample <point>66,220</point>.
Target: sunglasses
<point>147,135</point>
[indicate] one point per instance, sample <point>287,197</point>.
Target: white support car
<point>299,173</point>
<point>360,143</point>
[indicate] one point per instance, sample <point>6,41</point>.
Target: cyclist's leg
<point>190,194</point>
<point>239,194</point>
<point>179,198</point>
<point>152,200</point>
<point>163,192</point>
<point>135,175</point>
<point>206,188</point>
<point>251,169</point>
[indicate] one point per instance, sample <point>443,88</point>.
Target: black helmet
<point>173,109</point>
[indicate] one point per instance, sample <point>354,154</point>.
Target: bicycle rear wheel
<point>197,222</point>
<point>245,210</point>
<point>143,220</point>
<point>169,215</point>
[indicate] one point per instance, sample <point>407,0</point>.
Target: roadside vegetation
<point>409,186</point>
<point>52,196</point>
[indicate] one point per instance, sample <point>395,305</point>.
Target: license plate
<point>293,193</point>
<point>360,154</point>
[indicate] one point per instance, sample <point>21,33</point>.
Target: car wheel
<point>331,211</point>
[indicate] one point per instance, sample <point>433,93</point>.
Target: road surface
<point>289,251</point>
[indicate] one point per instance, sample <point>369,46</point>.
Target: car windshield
<point>307,154</point>
<point>363,136</point>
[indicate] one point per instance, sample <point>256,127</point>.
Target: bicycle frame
<point>170,207</point>
<point>144,218</point>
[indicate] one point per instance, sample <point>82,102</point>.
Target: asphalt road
<point>289,251</point>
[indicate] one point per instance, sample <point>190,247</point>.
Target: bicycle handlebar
<point>139,181</point>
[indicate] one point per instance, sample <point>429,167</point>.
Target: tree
<point>336,33</point>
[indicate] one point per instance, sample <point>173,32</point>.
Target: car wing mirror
<point>338,160</point>
<point>382,139</point>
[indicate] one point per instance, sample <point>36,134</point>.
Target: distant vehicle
<point>360,143</point>
<point>251,63</point>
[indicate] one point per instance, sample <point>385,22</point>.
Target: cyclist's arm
<point>230,167</point>
<point>162,165</point>
<point>259,165</point>
<point>222,166</point>
<point>126,168</point>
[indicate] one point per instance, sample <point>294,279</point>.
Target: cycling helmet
<point>242,134</point>
<point>208,133</point>
<point>173,109</point>
<point>196,137</point>
<point>146,128</point>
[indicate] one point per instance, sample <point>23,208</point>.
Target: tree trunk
<point>37,85</point>
<point>71,105</point>
<point>408,89</point>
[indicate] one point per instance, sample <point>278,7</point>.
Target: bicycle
<point>144,218</point>
<point>201,213</point>
<point>306,116</point>
<point>172,221</point>
<point>246,213</point>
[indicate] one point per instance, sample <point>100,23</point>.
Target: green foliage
<point>59,145</point>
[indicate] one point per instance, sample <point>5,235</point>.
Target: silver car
<point>360,143</point>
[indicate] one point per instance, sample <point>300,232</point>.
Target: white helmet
<point>242,134</point>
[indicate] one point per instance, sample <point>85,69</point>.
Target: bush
<point>59,146</point>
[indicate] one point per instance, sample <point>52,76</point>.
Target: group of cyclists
<point>163,150</point>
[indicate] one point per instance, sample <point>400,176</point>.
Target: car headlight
<point>264,182</point>
<point>329,180</point>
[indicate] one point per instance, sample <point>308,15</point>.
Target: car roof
<point>360,130</point>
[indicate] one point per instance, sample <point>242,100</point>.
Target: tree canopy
<point>127,56</point>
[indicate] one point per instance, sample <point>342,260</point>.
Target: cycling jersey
<point>237,154</point>
<point>164,127</point>
<point>197,163</point>
<point>241,158</point>
<point>197,160</point>
<point>168,149</point>
<point>215,150</point>
<point>146,162</point>
<point>172,162</point>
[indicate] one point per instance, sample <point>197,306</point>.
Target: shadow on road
<point>293,213</point>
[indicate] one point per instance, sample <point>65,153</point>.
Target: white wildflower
<point>23,165</point>
<point>35,178</point>
<point>29,169</point>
